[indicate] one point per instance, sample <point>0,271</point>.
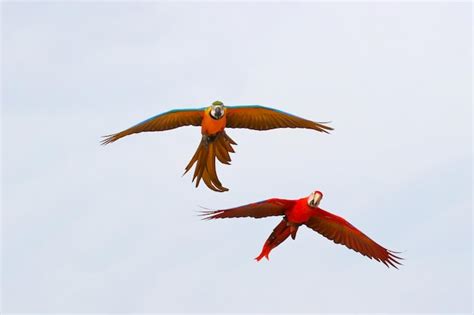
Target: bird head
<point>315,198</point>
<point>217,110</point>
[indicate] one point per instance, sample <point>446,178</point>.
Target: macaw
<point>306,211</point>
<point>215,142</point>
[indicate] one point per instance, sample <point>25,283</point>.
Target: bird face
<point>315,198</point>
<point>217,110</point>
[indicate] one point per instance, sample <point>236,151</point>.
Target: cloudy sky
<point>87,228</point>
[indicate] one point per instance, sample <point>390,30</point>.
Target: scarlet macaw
<point>215,142</point>
<point>306,211</point>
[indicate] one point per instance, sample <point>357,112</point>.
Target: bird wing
<point>265,208</point>
<point>264,118</point>
<point>165,121</point>
<point>342,232</point>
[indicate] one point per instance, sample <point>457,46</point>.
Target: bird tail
<point>279,234</point>
<point>211,147</point>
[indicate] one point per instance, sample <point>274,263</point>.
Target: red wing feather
<point>342,232</point>
<point>265,118</point>
<point>169,120</point>
<point>266,208</point>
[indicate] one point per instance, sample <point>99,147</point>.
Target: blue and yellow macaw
<point>215,142</point>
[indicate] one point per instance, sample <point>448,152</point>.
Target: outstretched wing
<point>342,232</point>
<point>169,120</point>
<point>264,118</point>
<point>265,208</point>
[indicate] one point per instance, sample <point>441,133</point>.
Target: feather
<point>261,209</point>
<point>264,118</point>
<point>342,232</point>
<point>165,121</point>
<point>205,156</point>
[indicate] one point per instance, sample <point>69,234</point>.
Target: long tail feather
<point>205,156</point>
<point>279,234</point>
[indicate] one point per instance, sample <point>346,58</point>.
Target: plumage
<point>306,211</point>
<point>165,121</point>
<point>261,209</point>
<point>215,143</point>
<point>204,158</point>
<point>342,232</point>
<point>265,118</point>
<point>279,234</point>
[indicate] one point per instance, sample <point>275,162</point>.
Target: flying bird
<point>306,211</point>
<point>215,143</point>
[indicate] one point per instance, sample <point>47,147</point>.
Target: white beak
<point>314,199</point>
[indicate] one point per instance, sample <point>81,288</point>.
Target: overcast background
<point>88,228</point>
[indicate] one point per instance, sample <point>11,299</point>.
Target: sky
<point>89,228</point>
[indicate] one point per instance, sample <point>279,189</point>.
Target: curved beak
<point>316,199</point>
<point>218,111</point>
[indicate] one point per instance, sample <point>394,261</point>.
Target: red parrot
<point>215,142</point>
<point>306,211</point>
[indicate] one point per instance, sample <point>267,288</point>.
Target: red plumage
<point>306,211</point>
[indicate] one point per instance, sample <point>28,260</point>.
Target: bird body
<point>300,212</point>
<point>215,143</point>
<point>306,211</point>
<point>211,126</point>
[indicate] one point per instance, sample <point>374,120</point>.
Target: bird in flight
<point>306,211</point>
<point>215,143</point>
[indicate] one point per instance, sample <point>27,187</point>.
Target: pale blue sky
<point>87,228</point>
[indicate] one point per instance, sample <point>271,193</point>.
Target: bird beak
<point>218,112</point>
<point>316,199</point>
